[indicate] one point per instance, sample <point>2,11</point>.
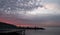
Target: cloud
<point>21,5</point>
<point>15,8</point>
<point>52,6</point>
<point>28,12</point>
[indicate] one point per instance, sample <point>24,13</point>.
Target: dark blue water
<point>48,31</point>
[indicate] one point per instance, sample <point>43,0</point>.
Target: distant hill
<point>6,26</point>
<point>9,26</point>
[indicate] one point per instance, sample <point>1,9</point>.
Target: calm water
<point>48,31</point>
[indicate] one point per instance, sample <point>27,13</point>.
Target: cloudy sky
<point>30,12</point>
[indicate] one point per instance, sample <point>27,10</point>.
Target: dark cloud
<point>9,9</point>
<point>26,5</point>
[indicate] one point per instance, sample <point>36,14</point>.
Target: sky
<point>30,12</point>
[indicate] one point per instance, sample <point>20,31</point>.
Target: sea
<point>47,31</point>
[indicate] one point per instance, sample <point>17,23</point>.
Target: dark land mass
<point>8,29</point>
